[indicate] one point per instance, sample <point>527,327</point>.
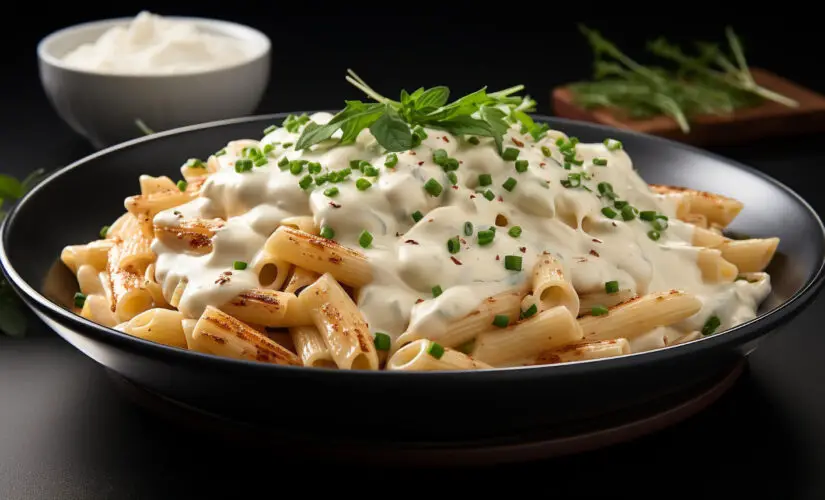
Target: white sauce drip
<point>595,250</point>
<point>152,45</point>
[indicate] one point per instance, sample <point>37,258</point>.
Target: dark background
<point>66,433</point>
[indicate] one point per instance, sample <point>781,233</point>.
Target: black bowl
<point>71,205</point>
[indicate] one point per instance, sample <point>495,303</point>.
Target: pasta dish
<point>365,240</point>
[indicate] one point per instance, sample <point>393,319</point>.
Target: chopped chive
<point>599,311</point>
<point>268,149</point>
<point>653,235</point>
<point>221,152</point>
<point>450,164</point>
<point>609,212</point>
<point>105,229</point>
<point>521,166</point>
<point>509,184</point>
<point>196,163</point>
<point>314,167</point>
<point>365,239</point>
<point>321,179</point>
<point>546,151</point>
<point>286,145</point>
<point>331,192</point>
<point>600,162</point>
<point>660,216</point>
<point>659,224</point>
<point>391,161</point>
<point>435,350</point>
<point>296,167</point>
<point>468,228</point>
<point>486,237</point>
<point>433,187</point>
<point>416,141</point>
<point>305,181</point>
<point>620,204</point>
<point>79,299</point>
<point>560,142</point>
<point>182,185</point>
<point>647,215</point>
<point>515,231</point>
<point>420,132</point>
<point>283,162</point>
<point>510,154</point>
<point>530,311</point>
<point>605,187</point>
<point>611,286</point>
<point>711,325</point>
<point>382,341</point>
<point>453,245</point>
<point>417,216</point>
<point>440,157</point>
<point>628,212</point>
<point>344,173</point>
<point>613,144</point>
<point>512,262</point>
<point>270,129</point>
<point>363,164</point>
<point>567,165</point>
<point>473,140</point>
<point>363,184</point>
<point>354,164</point>
<point>260,161</point>
<point>489,195</point>
<point>239,265</point>
<point>501,320</point>
<point>437,291</point>
<point>327,232</point>
<point>485,179</point>
<point>243,165</point>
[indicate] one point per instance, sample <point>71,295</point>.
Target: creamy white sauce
<point>152,45</point>
<point>409,258</point>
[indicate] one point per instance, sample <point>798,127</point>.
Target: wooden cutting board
<point>767,120</point>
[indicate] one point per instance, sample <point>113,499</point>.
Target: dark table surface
<point>67,433</point>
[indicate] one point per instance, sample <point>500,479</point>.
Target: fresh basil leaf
<point>391,132</point>
<point>353,125</point>
<point>433,98</point>
<point>465,125</point>
<point>418,92</point>
<point>314,133</point>
<point>12,319</point>
<point>10,188</point>
<point>467,105</point>
<point>495,118</point>
<point>405,97</point>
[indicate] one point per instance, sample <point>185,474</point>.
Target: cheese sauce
<point>152,45</point>
<point>409,258</point>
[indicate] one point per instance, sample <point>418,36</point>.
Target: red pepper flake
<point>542,164</point>
<point>429,220</point>
<point>500,198</point>
<point>412,152</point>
<point>615,225</point>
<point>518,142</point>
<point>523,249</point>
<point>455,261</point>
<point>472,196</point>
<point>581,259</point>
<point>334,205</point>
<point>461,162</point>
<point>596,240</point>
<point>223,278</point>
<point>454,187</point>
<point>498,257</point>
<point>419,301</point>
<point>445,139</point>
<point>411,242</point>
<point>594,253</point>
<point>420,163</point>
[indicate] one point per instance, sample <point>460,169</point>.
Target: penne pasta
<point>310,346</point>
<point>706,238</point>
<point>145,207</point>
<point>95,254</point>
<point>158,325</point>
<point>523,342</point>
<point>716,208</point>
<point>97,308</point>
<point>220,334</point>
<point>551,288</point>
<point>751,255</point>
<point>585,351</point>
<point>193,235</point>
<point>590,300</point>
<point>417,356</point>
<point>341,324</point>
<point>303,223</point>
<point>272,271</point>
<point>714,267</point>
<point>300,279</point>
<point>640,315</point>
<point>268,308</point>
<point>89,280</point>
<point>150,185</point>
<point>320,255</point>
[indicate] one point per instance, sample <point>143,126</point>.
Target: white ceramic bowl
<point>104,107</point>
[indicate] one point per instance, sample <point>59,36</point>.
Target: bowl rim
<point>262,45</point>
<point>738,335</point>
